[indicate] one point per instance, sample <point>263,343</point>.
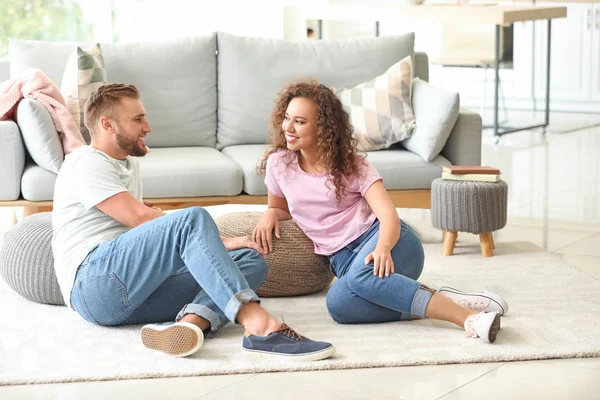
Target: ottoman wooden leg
<point>449,242</point>
<point>486,243</point>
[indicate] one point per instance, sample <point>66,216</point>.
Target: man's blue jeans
<point>358,296</point>
<point>164,269</point>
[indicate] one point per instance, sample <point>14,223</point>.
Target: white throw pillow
<point>380,109</point>
<point>39,135</point>
<point>83,74</point>
<point>436,111</point>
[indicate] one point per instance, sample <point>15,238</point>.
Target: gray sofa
<point>209,111</point>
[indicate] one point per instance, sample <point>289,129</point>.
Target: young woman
<point>316,176</point>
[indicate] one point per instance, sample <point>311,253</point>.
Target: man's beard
<point>130,146</point>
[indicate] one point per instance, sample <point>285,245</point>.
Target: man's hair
<point>103,101</point>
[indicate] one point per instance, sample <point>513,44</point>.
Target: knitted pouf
<point>466,206</point>
<point>26,260</point>
<point>294,268</point>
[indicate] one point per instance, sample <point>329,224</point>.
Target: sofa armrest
<point>421,66</point>
<point>12,161</point>
<point>464,144</point>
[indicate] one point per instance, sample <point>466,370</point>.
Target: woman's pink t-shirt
<point>313,205</point>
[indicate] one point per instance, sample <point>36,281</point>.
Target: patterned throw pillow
<point>380,110</point>
<point>83,74</point>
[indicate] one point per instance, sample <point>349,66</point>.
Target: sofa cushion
<point>84,73</point>
<point>436,111</point>
<point>189,172</point>
<point>166,172</point>
<point>37,183</point>
<point>400,168</point>
<point>184,102</point>
<point>251,71</point>
<point>380,110</point>
<point>40,135</point>
<point>247,157</point>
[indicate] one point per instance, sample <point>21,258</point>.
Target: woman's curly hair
<point>336,148</point>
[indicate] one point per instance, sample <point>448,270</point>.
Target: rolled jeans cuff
<point>420,302</point>
<point>202,312</point>
<point>239,300</point>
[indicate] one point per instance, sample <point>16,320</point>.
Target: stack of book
<point>477,173</point>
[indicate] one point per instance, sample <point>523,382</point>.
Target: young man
<point>119,260</point>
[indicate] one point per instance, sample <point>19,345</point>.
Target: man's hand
<point>244,242</point>
<point>151,205</point>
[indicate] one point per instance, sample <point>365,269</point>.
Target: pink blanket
<point>34,84</point>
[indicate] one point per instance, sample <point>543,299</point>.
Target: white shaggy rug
<point>554,313</point>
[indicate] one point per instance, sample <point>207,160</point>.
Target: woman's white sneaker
<point>476,301</point>
<point>484,325</point>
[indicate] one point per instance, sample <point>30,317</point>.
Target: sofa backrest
<point>177,80</point>
<point>252,71</point>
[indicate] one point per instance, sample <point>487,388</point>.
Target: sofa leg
<point>13,217</point>
<point>486,243</point>
<point>449,242</point>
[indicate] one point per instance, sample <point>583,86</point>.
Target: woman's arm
<point>389,228</point>
<point>280,206</point>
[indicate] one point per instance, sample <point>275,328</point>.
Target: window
<point>54,20</point>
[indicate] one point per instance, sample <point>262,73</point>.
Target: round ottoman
<point>466,206</point>
<point>26,260</point>
<point>294,268</point>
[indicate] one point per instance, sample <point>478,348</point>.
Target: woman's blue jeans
<point>358,296</point>
<point>164,269</point>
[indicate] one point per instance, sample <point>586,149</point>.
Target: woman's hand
<point>262,233</point>
<point>383,262</point>
<point>243,242</point>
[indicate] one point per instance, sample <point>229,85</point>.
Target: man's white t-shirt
<point>86,178</point>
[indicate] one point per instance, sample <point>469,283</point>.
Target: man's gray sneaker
<point>179,339</point>
<point>286,344</point>
<point>476,301</point>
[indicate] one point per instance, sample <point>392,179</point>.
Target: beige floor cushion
<point>294,268</point>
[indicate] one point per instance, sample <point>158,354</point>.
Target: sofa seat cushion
<point>399,168</point>
<point>37,183</point>
<point>189,172</point>
<point>247,157</point>
<point>402,169</point>
<point>177,80</point>
<point>166,172</point>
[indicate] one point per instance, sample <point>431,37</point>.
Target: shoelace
<point>289,332</point>
<point>474,305</point>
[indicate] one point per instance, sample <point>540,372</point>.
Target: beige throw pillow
<point>83,74</point>
<point>380,110</point>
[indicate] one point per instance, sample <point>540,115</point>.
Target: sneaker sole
<point>490,335</point>
<point>315,356</point>
<point>502,305</point>
<point>179,340</point>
